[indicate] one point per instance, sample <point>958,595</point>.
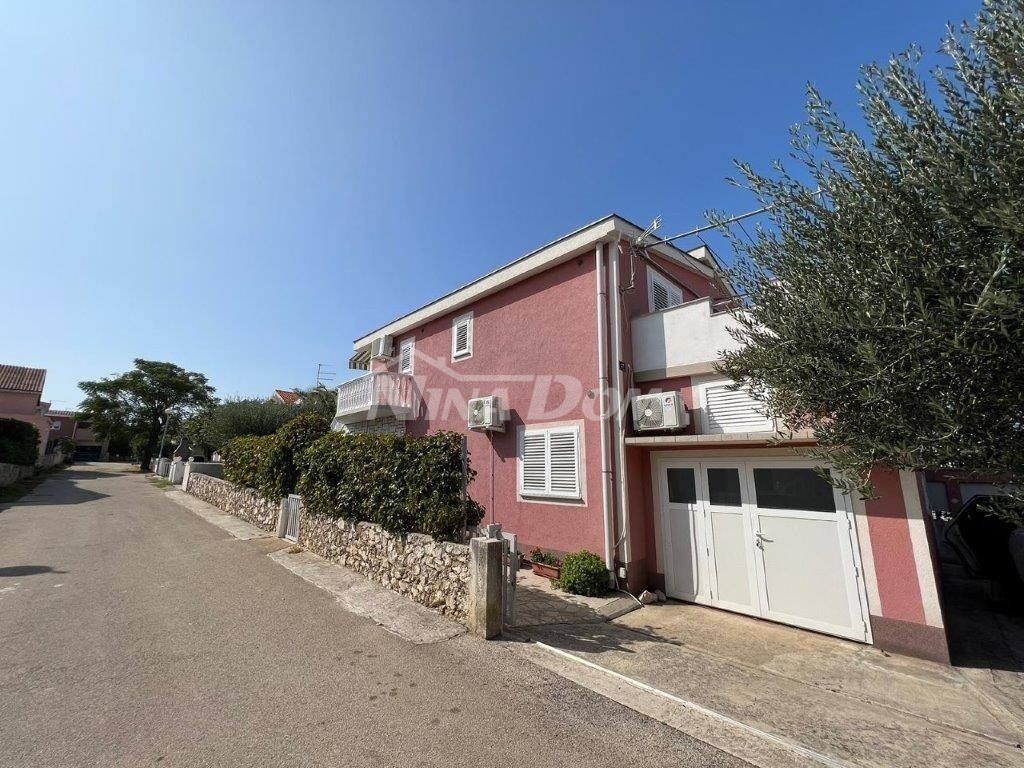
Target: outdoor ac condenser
<point>662,411</point>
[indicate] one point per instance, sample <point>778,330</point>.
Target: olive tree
<point>885,297</point>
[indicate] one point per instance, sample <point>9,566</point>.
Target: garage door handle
<point>761,538</point>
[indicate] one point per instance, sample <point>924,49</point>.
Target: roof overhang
<point>609,228</point>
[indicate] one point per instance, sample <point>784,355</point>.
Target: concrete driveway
<point>135,633</point>
<point>850,704</point>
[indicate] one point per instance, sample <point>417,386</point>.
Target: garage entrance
<point>763,537</point>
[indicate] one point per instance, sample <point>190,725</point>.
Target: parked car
<point>988,545</point>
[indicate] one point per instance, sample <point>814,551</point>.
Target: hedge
<point>404,484</point>
<point>247,459</point>
<point>19,442</point>
<point>283,468</point>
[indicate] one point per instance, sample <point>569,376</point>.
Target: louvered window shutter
<point>533,469</point>
<point>659,292</point>
<point>728,411</point>
<point>664,294</point>
<point>550,463</point>
<point>405,357</point>
<point>564,464</point>
<point>462,336</point>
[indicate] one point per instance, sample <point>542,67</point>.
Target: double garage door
<point>767,538</point>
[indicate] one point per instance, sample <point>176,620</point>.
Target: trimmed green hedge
<point>283,469</point>
<point>583,573</point>
<point>19,442</point>
<point>271,463</point>
<point>404,484</point>
<point>247,460</point>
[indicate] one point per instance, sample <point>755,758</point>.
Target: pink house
<point>546,365</point>
<point>21,398</point>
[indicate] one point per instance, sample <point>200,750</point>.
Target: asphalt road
<point>134,633</point>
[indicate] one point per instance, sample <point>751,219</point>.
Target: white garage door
<point>768,538</point>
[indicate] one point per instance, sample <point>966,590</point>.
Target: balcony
<point>375,396</point>
<point>681,341</point>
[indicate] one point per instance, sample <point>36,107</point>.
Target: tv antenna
<point>324,373</point>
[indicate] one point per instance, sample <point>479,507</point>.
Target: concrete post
<point>485,587</point>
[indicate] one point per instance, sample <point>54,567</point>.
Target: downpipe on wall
<point>607,490</point>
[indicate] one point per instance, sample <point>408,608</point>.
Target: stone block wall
<point>433,573</point>
<point>12,473</point>
<point>388,425</point>
<point>245,503</point>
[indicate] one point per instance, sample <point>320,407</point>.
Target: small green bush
<point>584,573</point>
<point>404,484</point>
<point>19,442</point>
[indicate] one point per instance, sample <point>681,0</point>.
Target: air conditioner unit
<point>382,348</point>
<point>485,413</point>
<point>665,410</point>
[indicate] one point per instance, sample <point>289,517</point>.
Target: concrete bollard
<point>485,587</point>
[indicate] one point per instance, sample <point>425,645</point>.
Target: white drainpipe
<point>607,491</point>
<point>621,392</point>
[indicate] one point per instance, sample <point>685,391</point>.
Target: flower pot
<point>547,571</point>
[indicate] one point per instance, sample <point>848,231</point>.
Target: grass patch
<point>160,482</point>
<point>14,491</point>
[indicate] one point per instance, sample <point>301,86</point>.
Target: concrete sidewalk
<point>841,702</point>
<point>356,594</point>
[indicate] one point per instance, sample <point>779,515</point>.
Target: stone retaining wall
<point>241,502</point>
<point>12,473</point>
<point>434,573</point>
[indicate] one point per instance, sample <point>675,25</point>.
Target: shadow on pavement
<point>60,489</point>
<point>26,570</point>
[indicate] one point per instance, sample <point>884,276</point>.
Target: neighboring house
<point>21,398</point>
<point>721,512</point>
<point>62,425</point>
<point>287,397</point>
<point>88,445</point>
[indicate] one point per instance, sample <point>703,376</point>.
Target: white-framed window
<point>462,336</point>
<point>406,355</point>
<point>662,293</point>
<point>549,462</point>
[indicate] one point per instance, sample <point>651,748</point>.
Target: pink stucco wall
<point>24,406</point>
<point>895,565</point>
<point>545,326</point>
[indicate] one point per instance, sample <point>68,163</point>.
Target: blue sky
<point>244,187</point>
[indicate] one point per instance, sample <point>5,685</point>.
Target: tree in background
<point>218,424</point>
<point>885,301</point>
<point>255,417</point>
<point>134,403</point>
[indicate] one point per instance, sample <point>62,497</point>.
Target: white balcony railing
<point>680,341</point>
<point>376,395</point>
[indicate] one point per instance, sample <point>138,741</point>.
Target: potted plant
<point>545,564</point>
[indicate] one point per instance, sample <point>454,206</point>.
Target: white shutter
<point>564,462</point>
<point>550,463</point>
<point>462,336</point>
<point>405,356</point>
<point>727,411</point>
<point>532,464</point>
<point>664,294</point>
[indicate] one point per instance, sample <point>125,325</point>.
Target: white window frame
<point>466,318</point>
<point>409,344</point>
<point>576,494</point>
<point>655,277</point>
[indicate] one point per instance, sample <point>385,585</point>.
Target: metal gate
<point>291,510</point>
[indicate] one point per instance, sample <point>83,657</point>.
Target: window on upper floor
<point>549,462</point>
<point>406,355</point>
<point>462,336</point>
<point>662,292</point>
